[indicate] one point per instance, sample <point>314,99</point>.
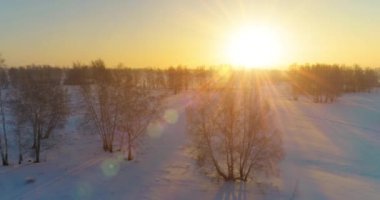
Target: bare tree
<point>40,103</point>
<point>233,134</point>
<point>103,110</point>
<point>140,107</point>
<point>118,105</point>
<point>102,102</point>
<point>3,101</point>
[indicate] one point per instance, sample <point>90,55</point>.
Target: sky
<point>162,33</point>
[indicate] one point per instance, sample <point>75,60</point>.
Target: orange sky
<point>189,32</point>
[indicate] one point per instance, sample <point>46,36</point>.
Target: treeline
<point>325,83</point>
<point>118,103</point>
<point>175,79</point>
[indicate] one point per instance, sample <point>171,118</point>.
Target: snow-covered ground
<point>332,152</point>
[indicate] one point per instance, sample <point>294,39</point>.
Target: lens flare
<point>171,116</point>
<point>155,129</point>
<point>110,167</point>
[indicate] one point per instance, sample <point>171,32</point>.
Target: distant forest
<point>325,83</point>
<point>321,82</point>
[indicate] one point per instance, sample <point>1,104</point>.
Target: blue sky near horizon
<point>190,32</point>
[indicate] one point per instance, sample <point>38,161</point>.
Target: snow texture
<point>332,152</point>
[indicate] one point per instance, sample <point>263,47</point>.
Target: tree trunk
<point>20,158</point>
<point>4,153</point>
<point>38,144</point>
<point>37,151</point>
<point>130,157</point>
<point>18,136</point>
<point>5,160</point>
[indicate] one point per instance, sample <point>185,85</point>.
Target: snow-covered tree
<point>39,103</point>
<point>120,109</point>
<point>102,104</point>
<point>233,134</point>
<point>140,106</point>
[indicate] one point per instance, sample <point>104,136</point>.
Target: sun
<point>254,47</point>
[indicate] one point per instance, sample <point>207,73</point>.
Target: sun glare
<point>254,47</point>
